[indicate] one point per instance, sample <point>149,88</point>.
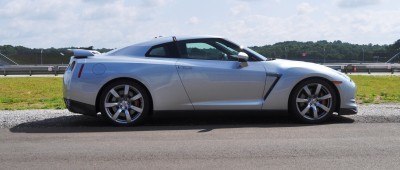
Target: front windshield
<point>255,53</point>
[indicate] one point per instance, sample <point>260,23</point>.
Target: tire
<point>313,101</point>
<point>124,103</point>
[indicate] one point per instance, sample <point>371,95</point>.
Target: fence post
<point>369,71</point>
<point>392,70</point>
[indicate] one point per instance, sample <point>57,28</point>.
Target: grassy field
<point>31,93</point>
<point>377,89</point>
<point>46,93</point>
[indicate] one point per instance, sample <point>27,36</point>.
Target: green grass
<point>377,89</point>
<point>31,93</point>
<point>46,93</point>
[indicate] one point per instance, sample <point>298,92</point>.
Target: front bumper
<point>81,108</point>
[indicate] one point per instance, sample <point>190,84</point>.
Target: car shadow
<point>201,121</point>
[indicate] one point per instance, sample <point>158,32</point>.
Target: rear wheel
<point>124,103</point>
<point>313,101</point>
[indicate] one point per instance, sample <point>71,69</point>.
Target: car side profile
<point>200,73</point>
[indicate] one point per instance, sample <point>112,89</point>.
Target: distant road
<point>57,139</point>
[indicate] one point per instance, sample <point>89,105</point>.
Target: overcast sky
<point>116,23</point>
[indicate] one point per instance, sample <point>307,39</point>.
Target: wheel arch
<point>118,79</point>
<point>337,108</point>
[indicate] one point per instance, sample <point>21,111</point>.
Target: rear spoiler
<point>80,53</point>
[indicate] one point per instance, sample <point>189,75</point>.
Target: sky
<point>118,23</point>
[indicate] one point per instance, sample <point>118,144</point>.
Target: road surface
<point>58,140</point>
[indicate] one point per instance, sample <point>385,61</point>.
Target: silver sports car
<point>200,73</point>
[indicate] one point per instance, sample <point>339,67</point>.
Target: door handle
<point>185,67</point>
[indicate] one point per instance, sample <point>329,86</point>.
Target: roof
<point>161,40</point>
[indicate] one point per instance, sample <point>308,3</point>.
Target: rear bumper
<point>81,108</point>
<point>348,111</point>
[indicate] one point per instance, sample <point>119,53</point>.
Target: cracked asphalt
<point>49,139</point>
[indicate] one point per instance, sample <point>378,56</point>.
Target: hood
<point>286,64</point>
<point>300,68</point>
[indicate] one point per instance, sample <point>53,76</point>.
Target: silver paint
<point>190,84</point>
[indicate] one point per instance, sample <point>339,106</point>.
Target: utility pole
<point>62,55</point>
<point>286,53</point>
<point>363,55</point>
<point>41,57</point>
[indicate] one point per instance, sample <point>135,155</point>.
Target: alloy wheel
<point>314,101</point>
<point>124,104</point>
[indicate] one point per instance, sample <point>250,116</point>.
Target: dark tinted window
<point>166,50</point>
<point>158,51</point>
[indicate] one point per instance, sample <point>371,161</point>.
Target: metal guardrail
<point>32,70</point>
<point>365,68</point>
<point>60,69</point>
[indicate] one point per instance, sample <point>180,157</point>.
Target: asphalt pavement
<point>50,139</point>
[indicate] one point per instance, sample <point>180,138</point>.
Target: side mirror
<point>243,57</point>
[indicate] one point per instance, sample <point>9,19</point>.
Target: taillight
<point>80,71</point>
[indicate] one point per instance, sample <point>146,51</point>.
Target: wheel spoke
<point>126,90</point>
<point>305,110</point>
<point>300,100</point>
<point>116,114</point>
<point>138,96</point>
<point>328,96</point>
<point>114,93</point>
<point>307,90</point>
<point>128,116</point>
<point>137,109</point>
<point>110,104</point>
<point>315,111</point>
<point>318,89</point>
<point>323,107</point>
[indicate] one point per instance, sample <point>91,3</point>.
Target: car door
<point>214,78</point>
<point>163,80</point>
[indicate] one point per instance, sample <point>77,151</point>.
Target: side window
<point>232,51</point>
<point>158,52</point>
<point>212,49</point>
<point>167,50</point>
<point>202,50</point>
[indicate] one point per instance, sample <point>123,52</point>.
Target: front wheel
<point>124,103</point>
<point>313,101</point>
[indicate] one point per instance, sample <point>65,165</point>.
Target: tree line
<point>320,52</point>
<point>37,56</point>
<point>324,51</point>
